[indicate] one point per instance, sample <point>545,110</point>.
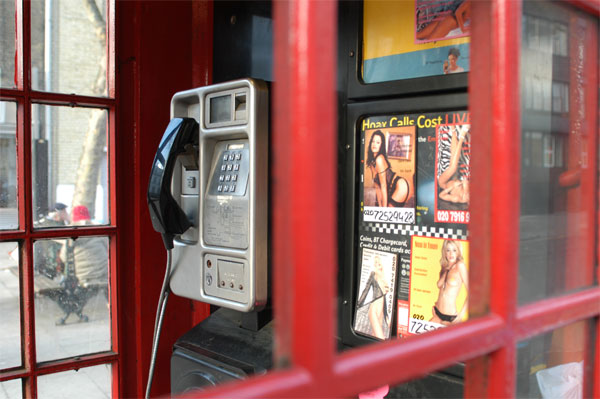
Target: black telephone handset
<point>167,216</point>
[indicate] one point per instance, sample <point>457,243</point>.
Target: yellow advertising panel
<point>415,38</point>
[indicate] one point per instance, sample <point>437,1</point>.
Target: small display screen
<point>220,109</point>
<point>235,146</point>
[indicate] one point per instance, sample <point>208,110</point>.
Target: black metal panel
<point>243,40</point>
<point>348,188</point>
<point>218,350</point>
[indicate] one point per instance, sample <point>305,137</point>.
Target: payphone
<point>208,197</point>
<point>212,203</point>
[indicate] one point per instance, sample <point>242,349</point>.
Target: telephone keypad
<point>233,165</point>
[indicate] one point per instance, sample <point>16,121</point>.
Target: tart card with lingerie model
<point>438,285</point>
<point>388,159</point>
<point>374,306</point>
<point>441,19</point>
<point>453,173</point>
<point>429,154</point>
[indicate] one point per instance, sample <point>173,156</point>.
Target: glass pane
<point>10,333</point>
<point>423,38</point>
<point>70,169</point>
<point>68,47</point>
<point>94,381</point>
<point>71,307</point>
<point>558,172</point>
<point>552,365</point>
<point>9,218</point>
<point>11,389</point>
<point>7,43</point>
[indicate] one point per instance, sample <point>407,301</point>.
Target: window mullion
<point>505,175</point>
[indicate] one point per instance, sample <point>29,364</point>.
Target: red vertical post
<point>304,184</point>
<point>575,339</point>
<point>480,99</point>
<point>505,175</point>
<point>28,341</point>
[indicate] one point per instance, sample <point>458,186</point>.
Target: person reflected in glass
<point>46,259</point>
<point>88,256</point>
<point>453,275</point>
<point>391,190</point>
<point>379,287</point>
<point>454,181</point>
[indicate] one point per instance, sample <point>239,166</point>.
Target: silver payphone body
<point>222,187</point>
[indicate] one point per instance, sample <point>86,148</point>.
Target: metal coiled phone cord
<point>160,312</point>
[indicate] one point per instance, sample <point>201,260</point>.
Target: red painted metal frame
<point>303,262</point>
<point>26,235</point>
<point>163,47</point>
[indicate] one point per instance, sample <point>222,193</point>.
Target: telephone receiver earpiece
<point>167,216</point>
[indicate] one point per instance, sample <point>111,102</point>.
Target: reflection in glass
<point>552,365</point>
<point>71,308</point>
<point>556,229</point>
<point>9,218</point>
<point>68,47</point>
<point>7,44</point>
<point>69,155</point>
<point>10,332</point>
<point>11,389</point>
<point>94,381</point>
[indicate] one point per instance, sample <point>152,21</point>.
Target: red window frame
<point>25,96</point>
<point>305,131</point>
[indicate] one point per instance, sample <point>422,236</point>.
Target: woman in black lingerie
<point>452,276</point>
<point>394,190</point>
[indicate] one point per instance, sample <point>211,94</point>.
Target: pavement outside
<point>53,341</point>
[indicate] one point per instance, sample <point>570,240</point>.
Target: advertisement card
<point>388,159</point>
<point>375,304</point>
<point>438,286</point>
<point>441,19</point>
<point>433,155</point>
<point>415,38</point>
<point>453,173</point>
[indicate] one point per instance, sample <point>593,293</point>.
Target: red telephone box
<point>525,215</point>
